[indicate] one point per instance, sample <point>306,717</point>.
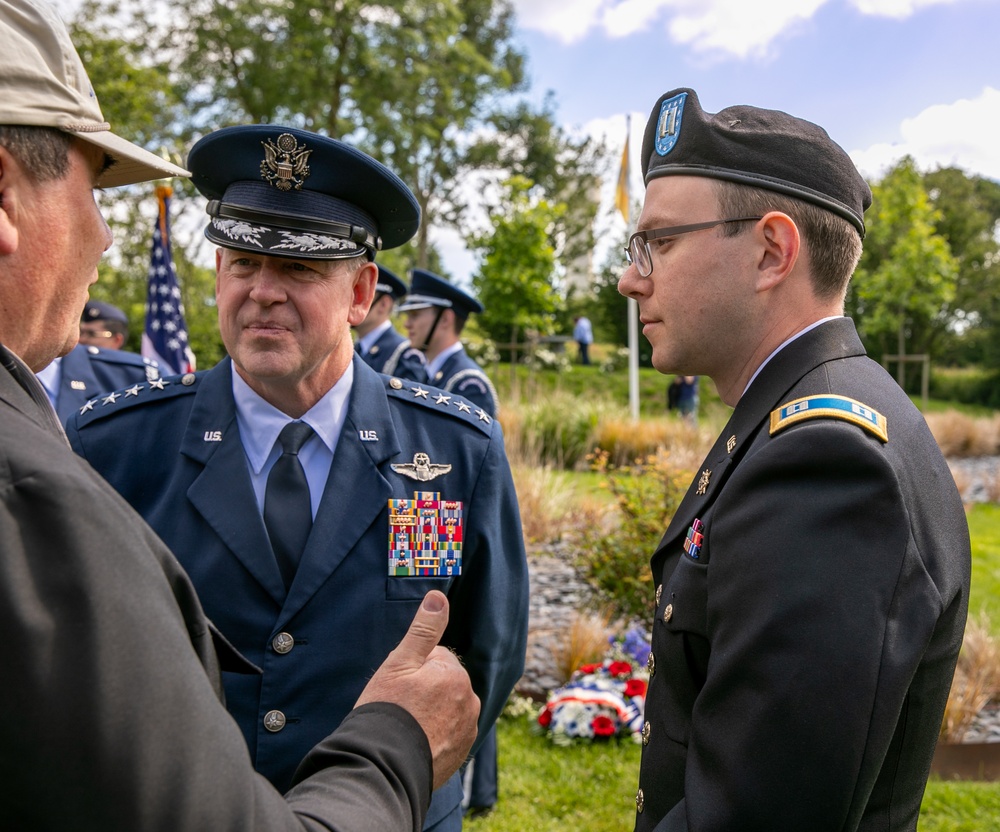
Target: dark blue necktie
<point>287,508</point>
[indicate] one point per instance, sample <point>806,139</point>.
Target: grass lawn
<point>984,526</point>
<point>591,788</point>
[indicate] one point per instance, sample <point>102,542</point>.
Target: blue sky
<point>884,77</point>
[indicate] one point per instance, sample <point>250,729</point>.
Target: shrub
<point>961,435</point>
<point>977,679</point>
<point>556,430</point>
<point>615,555</point>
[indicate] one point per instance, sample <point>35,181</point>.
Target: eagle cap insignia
<point>421,469</point>
<point>285,163</point>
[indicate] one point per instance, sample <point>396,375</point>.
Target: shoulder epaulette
<point>829,406</point>
<point>138,394</point>
<point>439,401</point>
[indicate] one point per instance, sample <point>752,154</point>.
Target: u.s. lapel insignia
<point>706,475</point>
<point>421,469</point>
<point>730,444</point>
<point>425,536</point>
<point>695,538</point>
<point>285,163</point>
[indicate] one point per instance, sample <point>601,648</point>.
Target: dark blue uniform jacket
<point>173,451</point>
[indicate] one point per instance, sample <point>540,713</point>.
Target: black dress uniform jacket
<point>111,685</point>
<point>174,452</point>
<point>802,656</point>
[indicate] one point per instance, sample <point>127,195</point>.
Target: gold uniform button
<point>668,613</point>
<point>659,594</point>
<point>640,801</point>
<point>282,643</point>
<point>274,721</point>
<point>395,384</point>
<point>645,733</point>
<point>651,663</point>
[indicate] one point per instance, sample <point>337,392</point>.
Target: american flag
<point>165,338</point>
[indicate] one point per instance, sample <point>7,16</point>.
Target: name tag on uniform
<point>425,536</point>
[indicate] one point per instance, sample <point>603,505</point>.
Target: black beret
<point>764,148</point>
<point>292,193</point>
<point>98,310</point>
<point>427,289</point>
<point>390,284</point>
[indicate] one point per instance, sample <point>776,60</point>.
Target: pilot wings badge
<point>285,163</point>
<point>421,469</point>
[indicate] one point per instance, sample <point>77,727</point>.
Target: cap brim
<point>131,163</point>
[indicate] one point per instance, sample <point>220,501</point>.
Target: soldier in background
<point>436,312</point>
<point>97,365</point>
<point>378,343</point>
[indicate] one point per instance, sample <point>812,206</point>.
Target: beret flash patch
<point>829,407</point>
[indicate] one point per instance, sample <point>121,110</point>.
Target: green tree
<point>969,208</point>
<point>516,279</point>
<point>904,287</point>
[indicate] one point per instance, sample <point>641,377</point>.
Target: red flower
<point>545,718</point>
<point>589,668</point>
<point>621,670</point>
<point>635,687</point>
<point>603,726</point>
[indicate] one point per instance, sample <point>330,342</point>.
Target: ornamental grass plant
<point>977,679</point>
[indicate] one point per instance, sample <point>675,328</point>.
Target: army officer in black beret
<point>811,590</point>
<point>313,501</point>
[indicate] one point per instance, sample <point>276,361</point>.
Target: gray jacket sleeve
<point>111,690</point>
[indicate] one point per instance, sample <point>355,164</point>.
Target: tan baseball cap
<point>43,84</point>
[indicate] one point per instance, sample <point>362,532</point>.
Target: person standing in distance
<point>583,334</point>
<point>97,365</point>
<point>436,312</point>
<point>811,590</point>
<point>313,501</point>
<point>381,347</point>
<point>112,668</point>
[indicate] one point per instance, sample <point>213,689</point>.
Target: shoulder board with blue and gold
<point>146,392</point>
<point>439,401</point>
<point>829,406</point>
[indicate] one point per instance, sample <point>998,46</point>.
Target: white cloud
<point>733,27</point>
<point>961,134</point>
<point>736,28</point>
<point>895,9</point>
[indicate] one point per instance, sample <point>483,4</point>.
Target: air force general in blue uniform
<point>409,487</point>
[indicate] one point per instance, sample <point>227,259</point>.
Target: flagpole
<point>633,307</point>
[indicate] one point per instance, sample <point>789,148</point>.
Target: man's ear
<point>363,292</point>
<point>10,174</point>
<point>780,249</point>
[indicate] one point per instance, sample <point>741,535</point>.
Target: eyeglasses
<point>637,249</point>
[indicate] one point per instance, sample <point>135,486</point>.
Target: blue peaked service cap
<point>390,284</point>
<point>427,289</point>
<point>286,192</point>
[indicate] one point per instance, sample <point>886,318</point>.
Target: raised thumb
<point>425,631</point>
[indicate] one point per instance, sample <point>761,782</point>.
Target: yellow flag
<point>621,191</point>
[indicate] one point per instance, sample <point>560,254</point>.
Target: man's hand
<point>430,683</point>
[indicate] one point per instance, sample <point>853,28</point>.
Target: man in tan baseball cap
<point>111,667</point>
<point>43,84</point>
